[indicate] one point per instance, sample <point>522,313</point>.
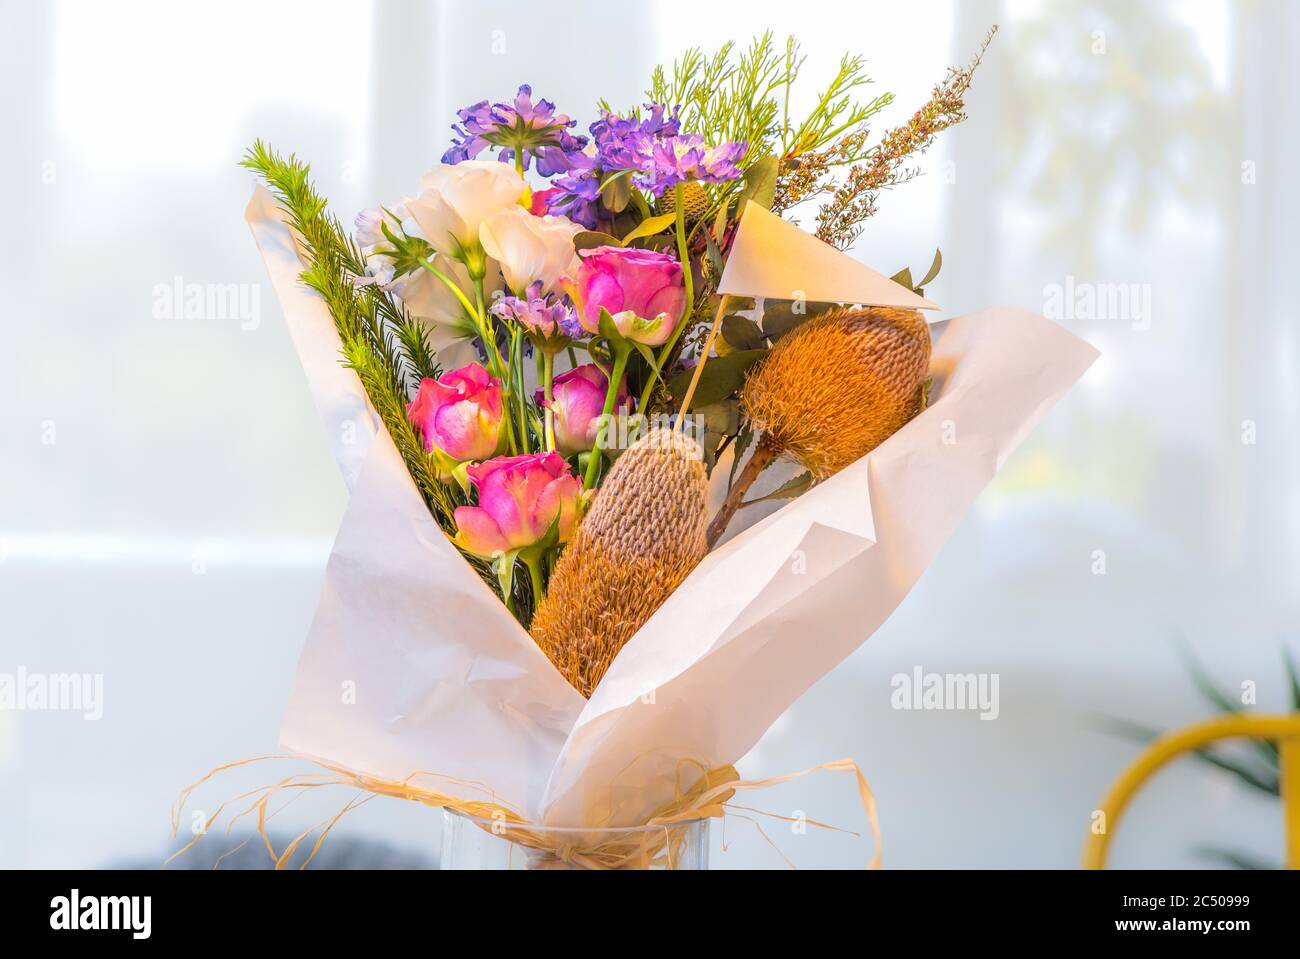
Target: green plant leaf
<point>714,254</point>
<point>1263,779</point>
<point>1266,749</point>
<point>760,182</point>
<point>648,353</point>
<point>611,180</point>
<point>616,193</point>
<point>782,316</point>
<point>741,332</point>
<point>1294,676</point>
<point>590,239</point>
<point>1235,858</point>
<point>720,421</point>
<point>504,566</point>
<point>934,269</point>
<point>650,227</point>
<point>904,277</point>
<point>720,226</point>
<point>787,490</point>
<point>722,376</point>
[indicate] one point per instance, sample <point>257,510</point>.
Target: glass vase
<point>470,842</point>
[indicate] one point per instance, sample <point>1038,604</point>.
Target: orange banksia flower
<point>642,537</point>
<point>840,385</point>
<point>832,391</point>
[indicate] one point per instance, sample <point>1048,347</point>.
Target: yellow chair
<point>1284,730</point>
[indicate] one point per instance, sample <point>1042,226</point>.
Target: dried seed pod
<point>832,391</point>
<point>695,202</point>
<point>644,534</point>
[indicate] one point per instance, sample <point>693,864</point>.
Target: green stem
<point>488,333</point>
<point>517,386</point>
<point>548,377</point>
<point>534,564</point>
<point>496,363</point>
<point>620,364</point>
<point>688,307</point>
<point>455,289</point>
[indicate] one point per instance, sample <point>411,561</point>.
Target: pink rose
<point>642,290</point>
<point>459,414</point>
<point>519,497</point>
<point>577,402</point>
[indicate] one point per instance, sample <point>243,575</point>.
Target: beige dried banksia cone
<point>695,202</point>
<point>641,538</point>
<point>832,391</point>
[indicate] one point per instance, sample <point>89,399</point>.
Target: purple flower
<point>549,320</point>
<point>677,159</point>
<point>520,125</point>
<point>621,142</point>
<point>650,147</point>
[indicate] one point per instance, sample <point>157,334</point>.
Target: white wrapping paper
<point>413,665</point>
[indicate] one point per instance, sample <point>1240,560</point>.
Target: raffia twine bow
<point>655,844</point>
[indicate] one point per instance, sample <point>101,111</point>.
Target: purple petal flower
<point>549,320</point>
<point>651,146</point>
<point>677,159</point>
<point>519,126</point>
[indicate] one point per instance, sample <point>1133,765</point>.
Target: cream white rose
<point>530,248</point>
<point>429,300</point>
<point>454,201</point>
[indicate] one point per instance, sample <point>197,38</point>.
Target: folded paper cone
<point>643,536</point>
<point>774,258</point>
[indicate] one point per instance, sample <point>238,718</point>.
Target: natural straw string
<point>635,848</point>
<point>699,367</point>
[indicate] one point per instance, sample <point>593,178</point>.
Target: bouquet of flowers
<point>552,377</point>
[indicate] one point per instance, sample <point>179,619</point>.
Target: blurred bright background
<point>167,501</point>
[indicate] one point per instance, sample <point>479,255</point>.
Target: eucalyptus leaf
<point>611,180</point>
<point>720,222</point>
<point>760,182</point>
<point>720,420</point>
<point>590,239</point>
<point>722,376</point>
<point>616,193</point>
<point>721,417</point>
<point>663,242</point>
<point>782,316</point>
<point>741,333</point>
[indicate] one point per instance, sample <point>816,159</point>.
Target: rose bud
<point>577,401</point>
<point>519,498</point>
<point>642,290</point>
<point>459,415</point>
